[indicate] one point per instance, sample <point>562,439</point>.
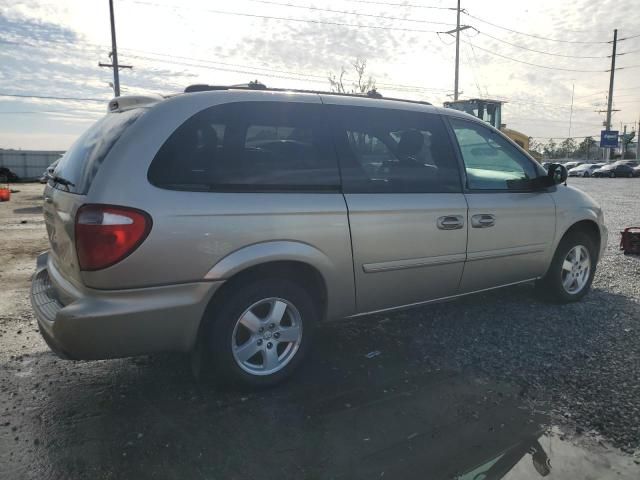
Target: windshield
<point>80,164</point>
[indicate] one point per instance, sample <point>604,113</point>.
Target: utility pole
<point>610,99</point>
<point>114,54</point>
<point>573,90</point>
<point>455,90</point>
<point>457,31</point>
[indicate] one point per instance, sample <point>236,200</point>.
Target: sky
<point>529,53</point>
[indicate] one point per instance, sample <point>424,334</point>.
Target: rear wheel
<point>571,272</point>
<point>586,174</point>
<point>612,175</point>
<point>630,175</point>
<point>261,333</point>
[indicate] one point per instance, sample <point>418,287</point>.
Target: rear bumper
<point>99,324</point>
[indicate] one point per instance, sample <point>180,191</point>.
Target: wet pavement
<point>498,385</point>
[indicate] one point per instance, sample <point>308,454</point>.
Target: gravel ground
<point>581,361</point>
<point>458,381</point>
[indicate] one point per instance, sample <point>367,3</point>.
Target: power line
<point>629,38</point>
<point>629,52</point>
<point>541,51</point>
<point>211,64</point>
<point>539,37</point>
<point>287,19</point>
<point>628,67</point>
<point>431,7</point>
<point>343,12</point>
<point>533,64</point>
<point>562,138</point>
<point>47,97</point>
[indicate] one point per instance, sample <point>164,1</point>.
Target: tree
<point>550,149</point>
<point>585,147</point>
<point>536,148</point>
<point>567,147</point>
<point>363,84</point>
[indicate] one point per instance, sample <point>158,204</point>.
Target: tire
<point>612,175</point>
<point>256,301</point>
<point>586,174</point>
<point>553,285</point>
<point>630,175</point>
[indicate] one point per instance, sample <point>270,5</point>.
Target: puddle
<point>548,455</point>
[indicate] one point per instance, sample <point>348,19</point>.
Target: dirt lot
<point>457,389</point>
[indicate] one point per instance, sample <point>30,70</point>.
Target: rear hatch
<point>67,187</point>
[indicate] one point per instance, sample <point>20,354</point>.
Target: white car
<point>584,170</point>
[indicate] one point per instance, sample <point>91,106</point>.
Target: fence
<point>28,164</point>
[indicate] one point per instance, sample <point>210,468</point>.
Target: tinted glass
<point>81,162</point>
<point>393,151</point>
<point>249,146</point>
<point>491,162</point>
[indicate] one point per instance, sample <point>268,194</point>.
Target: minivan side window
<point>249,146</point>
<point>491,162</point>
<point>393,151</point>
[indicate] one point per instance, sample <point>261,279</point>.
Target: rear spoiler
<point>129,102</point>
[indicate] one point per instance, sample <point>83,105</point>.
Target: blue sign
<point>609,139</point>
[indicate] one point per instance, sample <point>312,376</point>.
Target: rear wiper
<point>60,180</point>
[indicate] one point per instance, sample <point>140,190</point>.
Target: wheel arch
<point>586,225</point>
<point>305,264</point>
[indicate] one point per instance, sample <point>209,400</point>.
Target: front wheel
<point>612,175</point>
<point>586,174</point>
<point>571,272</point>
<point>262,332</point>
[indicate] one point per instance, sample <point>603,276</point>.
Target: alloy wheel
<point>267,336</point>
<point>576,269</point>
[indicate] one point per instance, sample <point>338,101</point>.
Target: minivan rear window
<point>81,162</point>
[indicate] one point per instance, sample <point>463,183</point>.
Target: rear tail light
<point>105,234</point>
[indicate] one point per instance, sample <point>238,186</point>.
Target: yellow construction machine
<point>489,111</point>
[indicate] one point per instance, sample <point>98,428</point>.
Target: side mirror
<point>557,173</point>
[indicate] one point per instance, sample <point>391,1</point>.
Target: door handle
<point>451,222</point>
<point>483,220</point>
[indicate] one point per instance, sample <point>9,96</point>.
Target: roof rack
<point>256,85</point>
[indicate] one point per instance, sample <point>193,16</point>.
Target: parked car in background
<point>232,221</point>
<point>545,165</point>
<point>612,170</point>
<point>570,165</point>
<point>584,170</point>
<point>636,171</point>
<point>631,163</point>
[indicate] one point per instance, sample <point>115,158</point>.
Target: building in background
<point>28,164</point>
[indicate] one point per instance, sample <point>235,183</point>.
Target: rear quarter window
<point>249,146</point>
<point>81,162</point>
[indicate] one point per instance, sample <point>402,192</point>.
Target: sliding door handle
<point>483,220</point>
<point>451,222</point>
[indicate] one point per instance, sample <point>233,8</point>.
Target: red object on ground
<point>5,194</point>
<point>630,240</point>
